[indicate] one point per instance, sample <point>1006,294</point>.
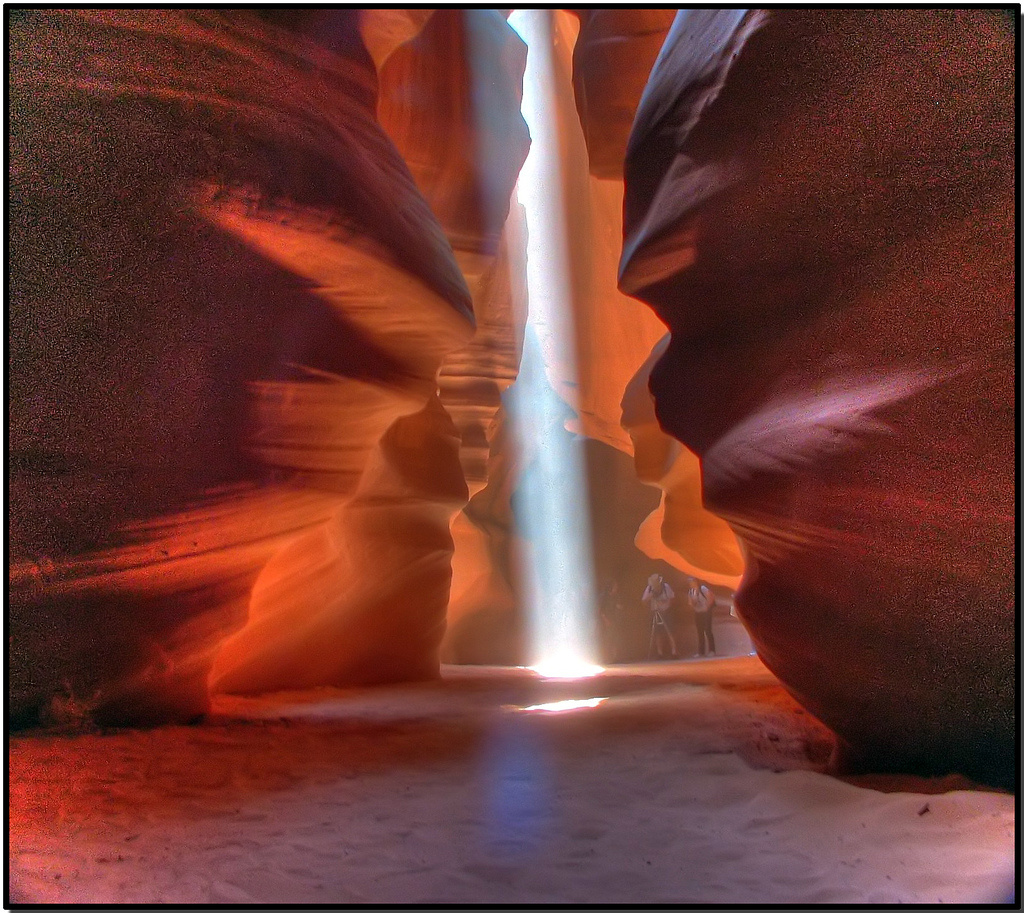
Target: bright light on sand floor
<point>689,783</point>
<point>563,706</point>
<point>566,668</point>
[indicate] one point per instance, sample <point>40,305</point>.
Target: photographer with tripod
<point>658,597</point>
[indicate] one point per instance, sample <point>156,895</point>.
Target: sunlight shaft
<point>552,496</point>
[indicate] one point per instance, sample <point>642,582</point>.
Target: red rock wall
<point>611,61</point>
<point>227,295</point>
<point>821,207</point>
<point>615,337</point>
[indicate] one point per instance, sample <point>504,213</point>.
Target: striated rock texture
<point>821,207</point>
<point>611,61</point>
<point>615,336</point>
<point>356,599</point>
<point>229,304</point>
<point>450,99</point>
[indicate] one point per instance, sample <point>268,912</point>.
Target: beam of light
<point>559,706</point>
<point>552,497</point>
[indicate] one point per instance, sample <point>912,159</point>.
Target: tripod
<point>658,621</point>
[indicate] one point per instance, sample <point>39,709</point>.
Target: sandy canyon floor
<point>692,782</point>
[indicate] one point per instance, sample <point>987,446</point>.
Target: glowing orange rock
<point>681,532</point>
<point>363,597</point>
<point>821,208</point>
<point>360,598</point>
<point>450,99</point>
<point>225,289</point>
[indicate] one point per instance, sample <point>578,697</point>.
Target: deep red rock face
<point>820,205</point>
<point>226,291</point>
<point>450,100</point>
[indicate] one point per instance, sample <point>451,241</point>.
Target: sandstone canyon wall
<point>820,205</point>
<point>229,304</point>
<point>450,99</point>
<point>375,610</point>
<point>246,248</point>
<point>619,343</point>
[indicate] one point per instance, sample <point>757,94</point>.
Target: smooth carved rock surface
<point>385,30</point>
<point>821,207</point>
<point>614,335</point>
<point>226,294</point>
<point>681,532</point>
<point>450,99</point>
<point>611,61</point>
<point>360,598</point>
<point>486,614</point>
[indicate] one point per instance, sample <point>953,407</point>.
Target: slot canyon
<point>269,338</point>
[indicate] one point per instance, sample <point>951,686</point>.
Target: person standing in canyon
<point>702,601</point>
<point>658,596</point>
